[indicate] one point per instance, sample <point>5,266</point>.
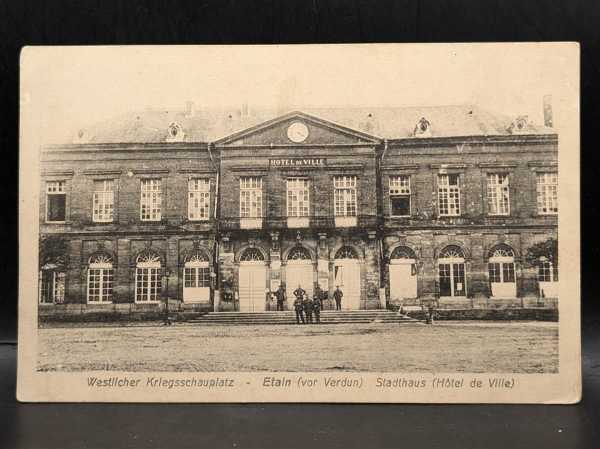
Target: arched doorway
<point>196,278</point>
<point>451,265</point>
<point>403,274</point>
<point>501,268</point>
<point>252,280</point>
<point>347,277</point>
<point>298,272</point>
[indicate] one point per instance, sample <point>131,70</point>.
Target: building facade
<point>394,206</point>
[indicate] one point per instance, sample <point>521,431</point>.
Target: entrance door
<point>252,287</point>
<point>298,273</point>
<point>452,272</point>
<point>347,276</point>
<point>403,280</point>
<point>403,274</point>
<point>501,268</point>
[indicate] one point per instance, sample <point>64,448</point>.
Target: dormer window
<point>175,133</point>
<point>423,128</point>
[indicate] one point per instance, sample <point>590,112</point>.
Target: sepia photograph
<point>334,210</point>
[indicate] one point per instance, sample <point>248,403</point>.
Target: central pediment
<point>297,129</point>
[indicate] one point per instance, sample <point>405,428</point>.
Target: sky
<point>67,88</point>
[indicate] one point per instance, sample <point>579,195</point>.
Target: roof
<point>207,125</point>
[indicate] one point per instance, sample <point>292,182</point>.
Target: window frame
<point>159,191</point>
<point>204,197</point>
<point>544,193</point>
<point>249,190</point>
<point>448,192</point>
<point>63,186</point>
<point>347,186</point>
<point>497,188</point>
<point>56,275</point>
<point>406,194</point>
<point>304,190</point>
<point>106,275</point>
<point>104,191</point>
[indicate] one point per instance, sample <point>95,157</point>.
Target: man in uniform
<point>280,294</point>
<point>298,306</point>
<point>337,295</point>
<point>308,308</point>
<point>317,306</point>
<point>299,292</point>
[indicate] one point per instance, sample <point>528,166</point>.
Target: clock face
<point>297,132</point>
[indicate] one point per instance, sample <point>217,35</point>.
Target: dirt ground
<point>516,347</point>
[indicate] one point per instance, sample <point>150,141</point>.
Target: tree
<point>53,251</point>
<point>547,250</point>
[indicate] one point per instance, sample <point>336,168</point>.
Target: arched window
<point>299,253</point>
<point>196,272</point>
<point>452,252</point>
<point>148,282</point>
<point>501,251</point>
<point>346,252</point>
<point>252,255</point>
<point>501,269</point>
<point>403,252</point>
<point>100,279</point>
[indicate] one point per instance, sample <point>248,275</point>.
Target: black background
<point>84,22</point>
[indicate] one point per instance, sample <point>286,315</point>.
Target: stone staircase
<point>289,317</point>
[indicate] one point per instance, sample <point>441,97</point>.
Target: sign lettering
<point>298,162</point>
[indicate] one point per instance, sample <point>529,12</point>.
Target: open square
<point>461,347</point>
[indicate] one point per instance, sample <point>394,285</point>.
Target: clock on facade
<point>297,132</point>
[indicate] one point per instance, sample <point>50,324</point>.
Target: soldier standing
<point>299,293</point>
<point>298,306</point>
<point>308,308</point>
<point>280,294</point>
<point>337,295</point>
<point>317,307</point>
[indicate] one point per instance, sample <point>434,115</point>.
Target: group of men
<point>307,307</point>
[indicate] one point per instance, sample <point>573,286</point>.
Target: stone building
<point>215,209</point>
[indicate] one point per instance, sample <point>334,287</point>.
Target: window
<point>345,196</point>
<point>498,194</point>
<point>547,193</point>
<point>198,199</point>
<point>298,197</point>
<point>151,200</point>
<point>250,197</point>
<point>52,287</point>
<point>449,195</point>
<point>56,200</point>
<point>196,273</point>
<point>104,200</point>
<point>547,272</point>
<point>100,279</point>
<point>148,278</point>
<point>400,196</point>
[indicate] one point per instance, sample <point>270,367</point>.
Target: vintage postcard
<point>300,223</point>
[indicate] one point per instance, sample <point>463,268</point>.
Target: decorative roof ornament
<point>422,128</point>
<point>518,125</point>
<point>175,133</point>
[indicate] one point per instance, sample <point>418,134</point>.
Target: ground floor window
<point>100,279</point>
<point>52,287</point>
<point>148,283</point>
<point>451,270</point>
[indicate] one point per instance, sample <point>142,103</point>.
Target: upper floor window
<point>345,196</point>
<point>250,197</point>
<point>547,193</point>
<point>449,195</point>
<point>56,201</point>
<point>198,199</point>
<point>104,200</point>
<point>400,195</point>
<point>298,197</point>
<point>151,200</point>
<point>498,194</point>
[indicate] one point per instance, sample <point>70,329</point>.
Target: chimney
<point>189,108</point>
<point>548,111</point>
